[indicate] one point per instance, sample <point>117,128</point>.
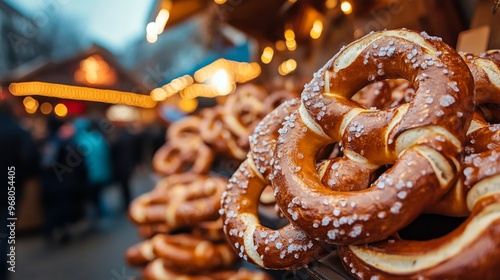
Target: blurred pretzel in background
<point>184,150</point>
<point>182,201</point>
<point>180,219</point>
<point>496,6</point>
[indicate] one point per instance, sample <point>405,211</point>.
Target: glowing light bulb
<point>289,34</point>
<point>161,20</point>
<point>61,110</point>
<point>222,82</point>
<point>346,7</point>
<point>316,29</point>
<point>267,55</point>
<point>158,94</point>
<point>46,108</point>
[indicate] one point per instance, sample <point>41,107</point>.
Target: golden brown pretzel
<point>485,69</point>
<point>185,128</point>
<point>422,137</point>
<point>188,253</point>
<point>285,248</point>
<point>215,132</point>
<point>186,155</point>
<point>243,109</point>
<point>471,251</point>
<point>180,204</point>
<point>140,254</point>
<point>158,271</point>
<point>274,99</point>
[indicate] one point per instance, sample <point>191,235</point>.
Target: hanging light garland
<point>81,93</point>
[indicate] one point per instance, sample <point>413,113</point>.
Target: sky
<point>110,23</point>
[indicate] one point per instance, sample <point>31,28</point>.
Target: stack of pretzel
<point>179,219</point>
<point>222,130</point>
<point>400,149</point>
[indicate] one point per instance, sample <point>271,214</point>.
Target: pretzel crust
<point>471,251</point>
<point>179,202</point>
<point>285,248</point>
<point>422,137</point>
<point>190,155</point>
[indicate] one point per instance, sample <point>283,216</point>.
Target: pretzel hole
<point>430,226</point>
<point>384,94</point>
<point>332,150</point>
<point>268,212</point>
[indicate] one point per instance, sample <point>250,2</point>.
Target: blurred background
<point>177,54</point>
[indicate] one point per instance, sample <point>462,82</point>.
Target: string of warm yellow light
<point>82,93</point>
<point>242,71</point>
<point>199,90</point>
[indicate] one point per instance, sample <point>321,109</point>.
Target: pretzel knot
<point>179,201</point>
<point>285,248</point>
<point>421,137</point>
<point>468,252</point>
<point>485,69</point>
<point>190,156</point>
<point>242,111</point>
<point>215,133</point>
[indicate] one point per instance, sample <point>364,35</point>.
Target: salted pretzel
<point>243,109</point>
<point>421,137</point>
<point>285,248</point>
<point>190,155</point>
<point>471,251</point>
<point>178,205</point>
<point>485,69</point>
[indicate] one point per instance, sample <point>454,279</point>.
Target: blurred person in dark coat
<point>63,180</point>
<point>18,153</point>
<point>126,151</point>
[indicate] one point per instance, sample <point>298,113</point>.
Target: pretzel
<point>471,251</point>
<point>188,155</point>
<point>485,69</point>
<point>242,111</point>
<point>185,128</point>
<point>158,271</point>
<point>184,253</point>
<point>275,99</point>
<point>151,229</point>
<point>187,253</point>
<point>421,137</point>
<point>178,205</point>
<point>217,135</point>
<point>285,248</point>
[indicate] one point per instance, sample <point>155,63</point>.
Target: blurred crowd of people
<point>73,163</point>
